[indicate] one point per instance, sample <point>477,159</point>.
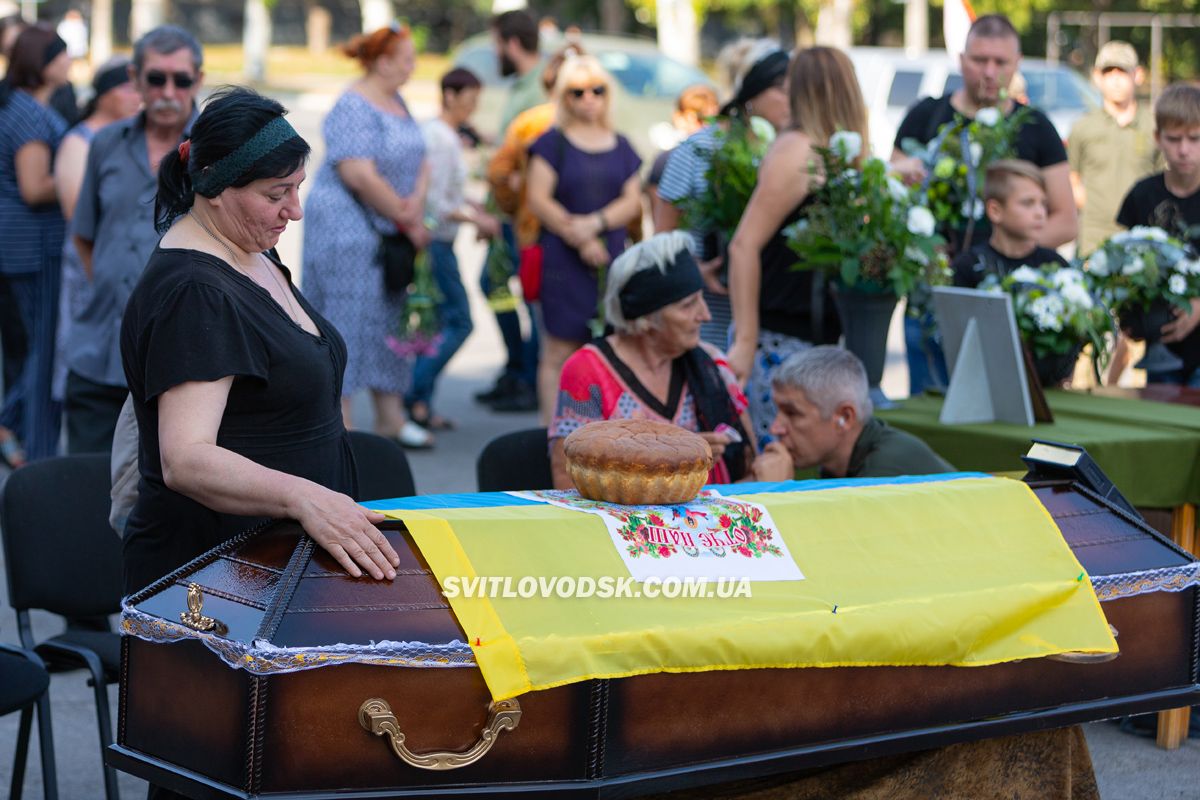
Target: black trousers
<point>12,336</point>
<point>92,410</point>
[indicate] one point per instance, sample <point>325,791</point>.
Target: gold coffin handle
<point>376,716</point>
<point>1087,658</point>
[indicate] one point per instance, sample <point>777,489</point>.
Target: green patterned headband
<point>216,178</point>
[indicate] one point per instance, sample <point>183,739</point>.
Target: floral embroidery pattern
<point>710,525</point>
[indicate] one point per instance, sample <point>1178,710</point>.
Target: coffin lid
<point>279,603</point>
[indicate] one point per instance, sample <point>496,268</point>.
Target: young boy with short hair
<point>446,207</point>
<point>1014,196</point>
<point>1171,200</point>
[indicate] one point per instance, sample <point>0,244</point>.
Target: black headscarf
<point>651,289</point>
<point>765,73</point>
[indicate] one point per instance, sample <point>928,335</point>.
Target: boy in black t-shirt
<point>1014,196</point>
<point>1171,200</point>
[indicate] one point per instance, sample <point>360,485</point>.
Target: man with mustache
<point>113,226</point>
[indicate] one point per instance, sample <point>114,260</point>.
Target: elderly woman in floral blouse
<point>655,366</point>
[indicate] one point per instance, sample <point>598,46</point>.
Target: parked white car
<point>893,81</point>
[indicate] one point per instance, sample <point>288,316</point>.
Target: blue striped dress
<point>31,240</point>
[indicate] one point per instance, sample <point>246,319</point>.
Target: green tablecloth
<point>1139,412</point>
<point>1151,451</point>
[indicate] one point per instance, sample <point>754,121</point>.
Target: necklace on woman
<point>236,264</point>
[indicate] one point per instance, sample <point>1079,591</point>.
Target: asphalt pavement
<point>1128,768</point>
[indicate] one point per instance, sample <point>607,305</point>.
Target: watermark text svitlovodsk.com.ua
<point>605,587</point>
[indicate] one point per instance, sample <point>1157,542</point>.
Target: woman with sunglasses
<point>583,187</point>
<point>31,234</point>
<point>372,184</point>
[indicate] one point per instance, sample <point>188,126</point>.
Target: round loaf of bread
<point>637,462</point>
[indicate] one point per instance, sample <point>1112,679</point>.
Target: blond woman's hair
<point>579,71</point>
<point>824,96</point>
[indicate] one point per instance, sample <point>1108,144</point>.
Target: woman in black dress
<point>235,379</point>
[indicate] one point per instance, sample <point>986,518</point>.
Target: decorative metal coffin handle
<point>1087,658</point>
<point>376,716</point>
<point>193,617</point>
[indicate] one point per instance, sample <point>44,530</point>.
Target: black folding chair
<point>517,461</point>
<point>61,556</point>
<point>23,686</point>
<point>382,467</point>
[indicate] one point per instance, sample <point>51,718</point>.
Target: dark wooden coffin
<point>190,722</point>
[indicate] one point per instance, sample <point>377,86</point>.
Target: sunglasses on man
<point>158,79</point>
<point>598,91</point>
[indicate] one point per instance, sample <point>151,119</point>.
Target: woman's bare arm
<point>194,465</point>
<point>782,184</point>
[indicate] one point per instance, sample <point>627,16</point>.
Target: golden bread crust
<point>637,462</point>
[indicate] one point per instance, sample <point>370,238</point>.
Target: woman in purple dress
<point>583,187</point>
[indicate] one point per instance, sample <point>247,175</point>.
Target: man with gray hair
<point>113,226</point>
<point>824,420</point>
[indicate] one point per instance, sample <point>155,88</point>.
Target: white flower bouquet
<point>1143,266</point>
<point>865,227</point>
<point>1057,313</point>
<point>957,158</point>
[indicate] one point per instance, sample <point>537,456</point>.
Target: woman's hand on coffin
<point>347,532</point>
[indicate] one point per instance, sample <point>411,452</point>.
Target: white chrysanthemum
<point>847,144</point>
<point>1098,263</point>
<point>1177,284</point>
<point>1077,296</point>
<point>763,130</point>
<point>1047,312</point>
<point>1065,276</point>
<point>1121,237</point>
<point>916,255</point>
<point>795,229</point>
<point>1188,266</point>
<point>897,189</point>
<point>976,153</point>
<point>920,221</point>
<point>972,208</point>
<point>987,116</point>
<point>1135,266</point>
<point>1148,232</point>
<point>1024,274</point>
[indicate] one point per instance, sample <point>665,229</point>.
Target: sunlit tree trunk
<point>678,34</point>
<point>256,40</point>
<point>100,37</point>
<point>612,15</point>
<point>916,26</point>
<point>834,24</point>
<point>145,15</point>
<point>377,14</point>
